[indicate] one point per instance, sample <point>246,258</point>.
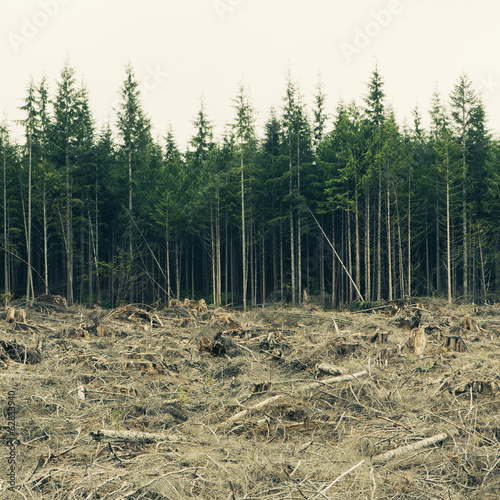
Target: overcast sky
<point>182,50</point>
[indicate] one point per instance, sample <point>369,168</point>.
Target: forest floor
<point>401,401</point>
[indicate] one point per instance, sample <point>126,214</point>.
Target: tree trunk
<point>213,256</point>
<point>29,285</point>
<point>389,245</point>
<point>299,236</point>
<point>218,253</point>
<point>438,240</point>
<point>299,261</point>
<point>356,230</point>
<point>167,258</point>
<point>130,207</point>
<point>243,232</point>
<point>263,268</point>
<point>90,266</point>
<point>253,267</point>
<point>464,226</point>
<point>45,239</point>
<point>334,297</point>
<point>292,255</point>
<point>192,270</point>
<point>483,274</point>
<point>448,235</point>
<point>322,271</point>
<point>400,253</point>
<point>5,225</point>
<point>379,237</point>
<point>282,277</point>
<point>349,251</point>
<point>69,235</point>
<point>177,269</point>
<point>275,261</point>
<point>226,265</point>
<point>368,292</point>
<point>233,274</point>
<point>292,234</point>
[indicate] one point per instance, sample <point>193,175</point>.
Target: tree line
<point>332,208</point>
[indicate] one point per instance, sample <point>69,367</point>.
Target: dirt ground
<point>398,401</point>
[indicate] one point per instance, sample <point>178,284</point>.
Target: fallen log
<point>410,448</point>
<point>135,436</point>
<point>257,406</point>
<point>329,369</point>
<point>333,380</point>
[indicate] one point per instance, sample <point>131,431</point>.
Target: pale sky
<point>182,50</point>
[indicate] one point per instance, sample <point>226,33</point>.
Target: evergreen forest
<point>330,206</point>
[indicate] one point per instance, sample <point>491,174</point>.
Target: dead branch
<point>326,488</point>
<point>329,369</point>
<point>410,448</point>
<point>333,380</point>
<point>257,406</point>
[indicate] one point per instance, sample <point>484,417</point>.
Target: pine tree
<point>375,115</point>
<point>30,125</point>
<point>44,171</point>
<point>273,194</point>
<point>465,112</point>
<point>63,135</point>
<point>7,153</point>
<point>106,208</point>
<point>445,154</point>
<point>288,127</point>
<point>320,116</point>
<point>134,128</point>
<point>244,129</point>
<point>175,197</point>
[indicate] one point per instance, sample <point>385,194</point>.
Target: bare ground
<point>196,402</point>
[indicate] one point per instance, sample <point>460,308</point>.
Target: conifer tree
<point>30,126</point>
<point>244,130</point>
<point>43,172</point>
<point>134,128</point>
<point>376,116</point>
<point>63,143</point>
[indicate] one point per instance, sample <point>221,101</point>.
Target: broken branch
<point>403,450</point>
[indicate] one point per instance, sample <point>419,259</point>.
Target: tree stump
<point>11,315</point>
<point>416,342</point>
<point>454,343</point>
<point>380,337</point>
<point>20,316</point>
<point>345,349</point>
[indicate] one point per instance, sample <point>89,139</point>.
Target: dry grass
<point>253,422</point>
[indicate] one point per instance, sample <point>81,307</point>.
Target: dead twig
<point>326,488</point>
